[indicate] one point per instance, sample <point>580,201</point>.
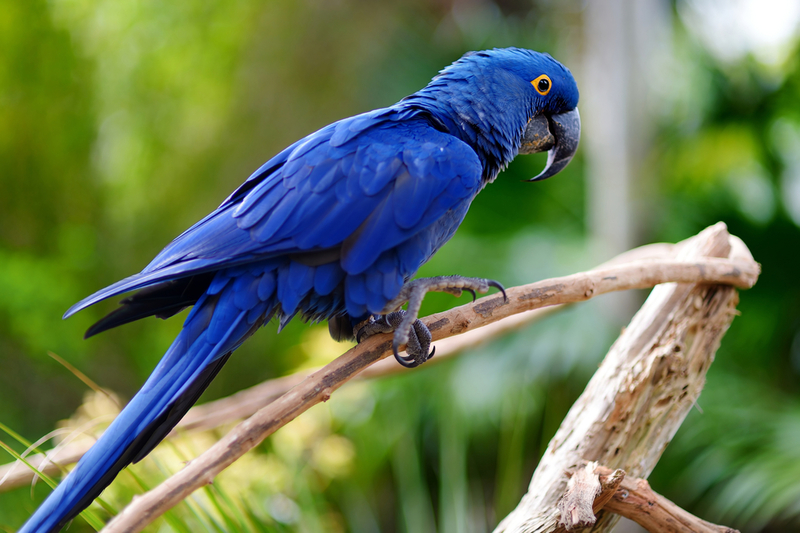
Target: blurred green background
<point>123,121</point>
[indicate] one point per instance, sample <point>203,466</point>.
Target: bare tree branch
<point>642,391</point>
<point>741,272</point>
<point>577,507</point>
<point>635,500</point>
<point>246,402</point>
<point>595,487</point>
<point>588,491</point>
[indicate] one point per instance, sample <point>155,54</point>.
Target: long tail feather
<point>163,300</point>
<point>194,358</point>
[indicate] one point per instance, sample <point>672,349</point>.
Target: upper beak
<point>558,134</point>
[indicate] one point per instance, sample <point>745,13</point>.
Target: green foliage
<point>733,460</point>
<point>122,122</point>
<point>749,477</point>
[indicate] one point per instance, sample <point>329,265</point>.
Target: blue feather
<point>332,226</point>
<point>327,277</point>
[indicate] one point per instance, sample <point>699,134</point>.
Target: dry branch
<point>642,391</point>
<point>320,385</point>
<point>587,492</point>
<point>595,487</point>
<point>635,500</point>
<point>246,402</point>
<point>576,507</point>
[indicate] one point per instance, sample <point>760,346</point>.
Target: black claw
<point>406,362</point>
<point>409,361</point>
<point>474,296</point>
<point>430,355</point>
<point>499,286</point>
<point>362,333</point>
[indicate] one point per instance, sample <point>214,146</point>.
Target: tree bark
<point>643,390</point>
<point>246,402</point>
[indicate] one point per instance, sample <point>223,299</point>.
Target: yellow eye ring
<point>542,84</point>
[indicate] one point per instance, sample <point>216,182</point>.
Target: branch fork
<point>628,413</point>
<point>635,402</point>
<point>595,487</point>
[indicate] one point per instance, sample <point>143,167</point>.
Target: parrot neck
<point>493,132</point>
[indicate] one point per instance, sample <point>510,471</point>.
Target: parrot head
<point>510,101</point>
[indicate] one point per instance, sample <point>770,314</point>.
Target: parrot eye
<point>542,84</point>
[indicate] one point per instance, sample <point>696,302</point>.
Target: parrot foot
<point>407,328</point>
<point>417,338</point>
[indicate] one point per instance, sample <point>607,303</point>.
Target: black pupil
<point>543,85</point>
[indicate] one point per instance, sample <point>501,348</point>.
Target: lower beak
<point>558,134</point>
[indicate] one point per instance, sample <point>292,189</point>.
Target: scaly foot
<point>407,328</point>
<point>418,337</point>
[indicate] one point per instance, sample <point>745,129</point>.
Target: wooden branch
<point>246,402</point>
<point>576,507</point>
<point>587,492</point>
<point>320,385</point>
<point>642,391</point>
<point>595,487</point>
<point>635,500</point>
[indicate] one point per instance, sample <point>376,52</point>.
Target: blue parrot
<point>332,228</point>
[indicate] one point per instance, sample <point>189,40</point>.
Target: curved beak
<point>558,134</point>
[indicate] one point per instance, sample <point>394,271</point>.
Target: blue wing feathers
<point>365,194</point>
<point>329,228</point>
<point>325,175</point>
<point>298,177</point>
<point>355,294</point>
<point>261,200</point>
<point>245,289</point>
<point>348,129</point>
<point>218,283</point>
<point>339,221</point>
<point>374,285</point>
<point>327,277</point>
<point>269,225</point>
<point>308,212</point>
<point>301,277</point>
<point>385,171</point>
<point>347,163</point>
<point>259,312</point>
<point>288,297</point>
<point>302,147</point>
<point>410,198</point>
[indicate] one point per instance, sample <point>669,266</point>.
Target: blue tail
<point>215,327</point>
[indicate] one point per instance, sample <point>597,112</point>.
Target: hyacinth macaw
<point>332,228</point>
